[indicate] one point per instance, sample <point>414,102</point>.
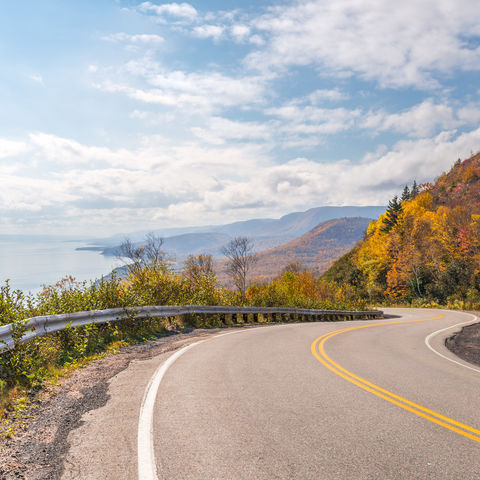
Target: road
<point>300,401</point>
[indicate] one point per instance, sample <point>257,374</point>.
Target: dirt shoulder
<point>38,452</point>
<point>466,343</point>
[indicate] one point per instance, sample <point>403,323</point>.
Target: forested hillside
<point>425,248</point>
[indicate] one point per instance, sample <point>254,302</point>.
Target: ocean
<point>30,262</point>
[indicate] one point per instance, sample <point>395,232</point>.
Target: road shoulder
<point>39,452</point>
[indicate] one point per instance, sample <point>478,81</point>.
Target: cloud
<point>308,119</point>
<point>69,152</point>
<point>144,38</point>
<point>423,119</point>
<point>37,78</point>
<point>181,11</point>
<point>208,31</point>
<point>408,43</point>
<point>192,182</point>
<point>221,130</point>
<point>240,32</point>
<point>179,89</point>
<point>331,95</point>
<point>12,148</point>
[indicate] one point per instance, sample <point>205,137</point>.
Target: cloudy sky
<point>123,115</point>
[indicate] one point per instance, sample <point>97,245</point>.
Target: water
<point>31,262</point>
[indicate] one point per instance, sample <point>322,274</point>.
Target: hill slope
<point>315,249</point>
<point>426,248</point>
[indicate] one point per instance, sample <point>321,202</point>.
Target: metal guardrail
<point>39,326</point>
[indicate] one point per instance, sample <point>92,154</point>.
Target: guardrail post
<point>245,318</point>
<point>255,318</point>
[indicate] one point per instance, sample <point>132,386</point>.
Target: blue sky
<point>123,115</point>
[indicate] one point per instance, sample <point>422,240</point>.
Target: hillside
<point>315,249</point>
<point>425,248</point>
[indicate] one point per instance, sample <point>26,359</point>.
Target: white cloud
<point>143,38</point>
<point>208,31</point>
<point>182,183</point>
<point>257,40</point>
<point>69,152</point>
<point>221,130</point>
<point>183,11</point>
<point>308,119</point>
<point>240,32</point>
<point>423,119</point>
<point>205,90</point>
<point>322,95</point>
<point>395,43</point>
<point>37,78</point>
<point>11,148</point>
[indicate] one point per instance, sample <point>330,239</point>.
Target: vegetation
<point>151,281</point>
<point>303,289</point>
<point>425,249</point>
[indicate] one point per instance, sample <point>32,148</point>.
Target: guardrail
<point>39,326</point>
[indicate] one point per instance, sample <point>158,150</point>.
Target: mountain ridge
<point>265,233</point>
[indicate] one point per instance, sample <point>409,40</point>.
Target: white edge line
<point>433,334</point>
<point>147,469</point>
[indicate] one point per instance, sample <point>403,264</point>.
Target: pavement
<point>279,402</point>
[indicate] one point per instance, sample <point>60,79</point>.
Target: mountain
<point>297,223</point>
<point>316,249</point>
<point>425,248</point>
<point>265,233</point>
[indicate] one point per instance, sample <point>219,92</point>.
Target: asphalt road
<point>292,402</point>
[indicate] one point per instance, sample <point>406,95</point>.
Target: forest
<point>425,249</point>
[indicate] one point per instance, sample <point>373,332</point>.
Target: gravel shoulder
<point>38,452</point>
<point>466,343</point>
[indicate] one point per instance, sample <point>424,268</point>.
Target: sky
<point>126,115</point>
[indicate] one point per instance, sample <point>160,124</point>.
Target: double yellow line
<point>318,350</point>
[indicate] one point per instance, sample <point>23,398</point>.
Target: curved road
<point>299,401</point>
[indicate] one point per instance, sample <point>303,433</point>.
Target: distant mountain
<point>316,249</point>
<point>298,223</point>
<point>265,233</point>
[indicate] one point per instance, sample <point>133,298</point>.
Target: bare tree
<point>148,254</point>
<point>241,257</point>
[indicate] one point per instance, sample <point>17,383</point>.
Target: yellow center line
<point>318,350</point>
